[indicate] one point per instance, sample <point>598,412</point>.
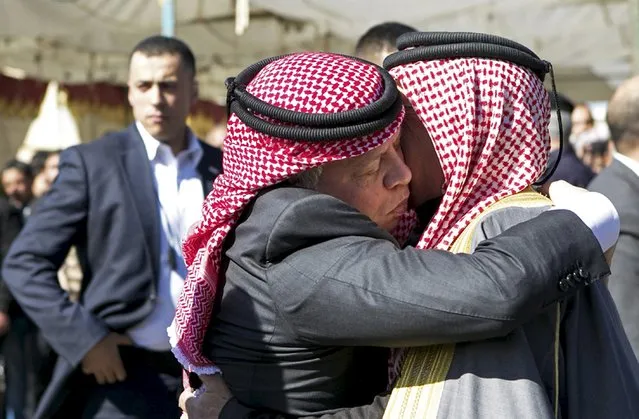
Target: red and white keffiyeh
<point>488,121</point>
<point>304,82</point>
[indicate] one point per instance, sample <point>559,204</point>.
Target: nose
<point>399,173</point>
<point>155,94</point>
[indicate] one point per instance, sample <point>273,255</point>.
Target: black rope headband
<point>427,46</point>
<point>310,127</point>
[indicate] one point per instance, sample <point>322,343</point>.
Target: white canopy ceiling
<point>588,41</point>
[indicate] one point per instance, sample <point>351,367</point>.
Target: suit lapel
<point>209,167</point>
<point>142,186</point>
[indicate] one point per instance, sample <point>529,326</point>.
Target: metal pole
<point>634,25</point>
<point>168,17</point>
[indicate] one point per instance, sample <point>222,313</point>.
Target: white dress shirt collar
<point>155,148</point>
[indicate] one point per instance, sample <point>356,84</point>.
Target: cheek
<point>137,100</point>
<point>369,200</point>
<point>365,195</point>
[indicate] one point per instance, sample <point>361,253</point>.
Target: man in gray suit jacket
<point>620,183</point>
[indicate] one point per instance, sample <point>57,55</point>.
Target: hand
<point>205,403</point>
<point>594,210</point>
<point>561,192</point>
<point>5,323</point>
<point>103,360</point>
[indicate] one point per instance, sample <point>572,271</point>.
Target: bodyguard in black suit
<point>124,201</point>
<point>620,183</point>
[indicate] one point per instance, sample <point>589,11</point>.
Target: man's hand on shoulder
<point>104,361</point>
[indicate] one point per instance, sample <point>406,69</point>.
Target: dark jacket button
<point>574,278</point>
<point>581,272</point>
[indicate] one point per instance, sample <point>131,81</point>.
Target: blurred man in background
<point>570,168</point>
<point>23,349</point>
<point>620,183</point>
<point>380,41</point>
<point>45,170</point>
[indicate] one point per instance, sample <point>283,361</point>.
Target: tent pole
<point>168,17</point>
<point>634,24</point>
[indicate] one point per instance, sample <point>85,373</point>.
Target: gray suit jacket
<point>621,186</point>
<point>514,376</point>
<point>312,285</point>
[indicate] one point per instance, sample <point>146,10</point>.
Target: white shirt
<point>180,197</point>
<point>628,162</point>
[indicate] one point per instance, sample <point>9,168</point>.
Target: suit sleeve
<point>30,269</point>
<point>360,291</point>
<point>624,284</point>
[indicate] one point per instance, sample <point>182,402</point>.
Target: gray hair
<point>307,179</point>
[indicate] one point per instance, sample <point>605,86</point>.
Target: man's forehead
<point>377,151</point>
<point>12,172</point>
<point>154,67</point>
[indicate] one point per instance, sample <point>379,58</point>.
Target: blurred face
<point>16,186</point>
<point>421,158</point>
<point>375,183</point>
<point>40,186</point>
<point>161,93</point>
<point>50,170</point>
<point>581,120</point>
<point>597,156</point>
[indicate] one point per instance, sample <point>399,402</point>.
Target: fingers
<point>104,376</point>
<point>215,384</point>
<point>184,397</point>
<point>117,368</point>
<point>555,189</point>
<point>100,377</point>
<point>109,376</point>
<point>108,372</point>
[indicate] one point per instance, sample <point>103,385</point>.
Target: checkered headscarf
<point>305,82</point>
<point>488,121</point>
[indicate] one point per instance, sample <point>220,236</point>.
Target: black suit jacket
<point>621,186</point>
<point>314,289</point>
<point>11,222</point>
<point>104,203</point>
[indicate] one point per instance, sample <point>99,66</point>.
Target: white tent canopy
<point>590,42</point>
<point>53,129</point>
